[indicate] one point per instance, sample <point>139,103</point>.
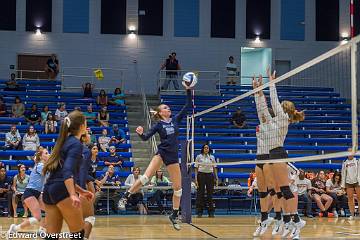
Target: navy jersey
<point>85,168</point>
<point>70,161</point>
<point>169,131</point>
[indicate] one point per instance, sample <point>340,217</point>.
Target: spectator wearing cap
<point>238,119</point>
<point>112,159</point>
<point>118,135</point>
<point>12,139</point>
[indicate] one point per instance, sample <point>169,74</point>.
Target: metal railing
<point>72,78</point>
<point>22,74</point>
<point>169,81</point>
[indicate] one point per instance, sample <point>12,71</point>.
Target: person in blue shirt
<point>112,159</point>
<point>168,130</point>
<point>61,193</point>
<point>32,193</point>
<point>117,135</point>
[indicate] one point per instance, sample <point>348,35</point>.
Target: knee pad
<point>285,190</point>
<point>78,235</point>
<point>144,179</point>
<point>272,192</point>
<point>178,193</point>
<point>263,194</point>
<point>33,221</point>
<point>90,220</point>
<point>279,195</point>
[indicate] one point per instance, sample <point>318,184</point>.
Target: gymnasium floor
<point>221,227</point>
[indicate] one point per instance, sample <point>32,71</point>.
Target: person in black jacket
<point>171,66</point>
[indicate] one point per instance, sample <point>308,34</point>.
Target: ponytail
<point>294,115</point>
<point>155,113</point>
<point>297,117</point>
<point>70,125</point>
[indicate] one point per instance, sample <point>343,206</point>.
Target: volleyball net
<point>323,91</point>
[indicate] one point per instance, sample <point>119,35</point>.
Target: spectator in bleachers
<point>113,159</point>
<point>30,140</point>
<point>3,111</point>
<point>19,184</point>
<point>104,141</point>
<point>94,159</point>
<point>12,85</point>
<point>5,190</point>
<point>33,116</point>
<point>52,67</point>
<point>90,115</point>
<point>136,199</point>
<point>205,177</point>
<point>93,140</point>
<point>109,179</point>
<point>158,195</point>
<point>118,135</point>
<point>117,98</point>
<point>50,124</point>
<point>61,112</point>
<point>231,69</point>
<point>333,188</point>
<point>12,139</point>
<point>318,194</point>
<point>350,172</point>
<point>304,188</point>
<point>18,108</point>
<point>44,114</point>
<point>88,90</point>
<point>238,119</point>
<point>171,66</point>
<point>102,99</point>
<point>103,117</point>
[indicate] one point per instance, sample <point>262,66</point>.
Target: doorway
<point>254,61</point>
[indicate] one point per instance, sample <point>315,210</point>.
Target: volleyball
<point>189,79</point>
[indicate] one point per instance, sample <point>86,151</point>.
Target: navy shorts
<point>262,157</point>
<point>29,192</point>
<point>168,157</point>
<point>54,193</point>
<point>278,153</point>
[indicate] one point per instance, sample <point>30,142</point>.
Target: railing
<point>147,116</point>
<point>170,81</point>
<point>72,78</point>
<point>22,74</point>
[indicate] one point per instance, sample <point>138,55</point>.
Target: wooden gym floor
<point>221,227</point>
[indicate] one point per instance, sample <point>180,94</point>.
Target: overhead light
<point>248,48</point>
<point>132,28</point>
<point>132,32</point>
<point>257,40</point>
<point>38,32</point>
<point>344,38</point>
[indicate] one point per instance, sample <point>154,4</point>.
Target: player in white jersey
<point>350,180</point>
<point>285,114</point>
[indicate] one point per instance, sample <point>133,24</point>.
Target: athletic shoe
<point>288,227</point>
<point>11,231</point>
<point>175,222</point>
<point>297,228</point>
<point>277,227</point>
<point>336,215</point>
<point>263,227</point>
<point>342,213</point>
<point>122,204</point>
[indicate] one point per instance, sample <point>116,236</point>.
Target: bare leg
<point>175,176</point>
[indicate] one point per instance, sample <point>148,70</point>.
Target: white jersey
<point>294,178</point>
<point>350,172</point>
<point>263,129</point>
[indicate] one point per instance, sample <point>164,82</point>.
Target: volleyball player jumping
<point>285,114</point>
<point>61,194</point>
<point>32,195</point>
<point>168,130</point>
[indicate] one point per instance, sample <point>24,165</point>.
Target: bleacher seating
<point>43,92</point>
<point>326,129</point>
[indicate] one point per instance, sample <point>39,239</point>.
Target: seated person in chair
<point>5,191</point>
<point>109,179</point>
<point>113,160</point>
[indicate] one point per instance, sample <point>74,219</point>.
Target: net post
<point>354,121</point>
<point>186,185</point>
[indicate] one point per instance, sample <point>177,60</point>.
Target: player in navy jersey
<point>61,193</point>
<point>32,195</point>
<point>168,130</point>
